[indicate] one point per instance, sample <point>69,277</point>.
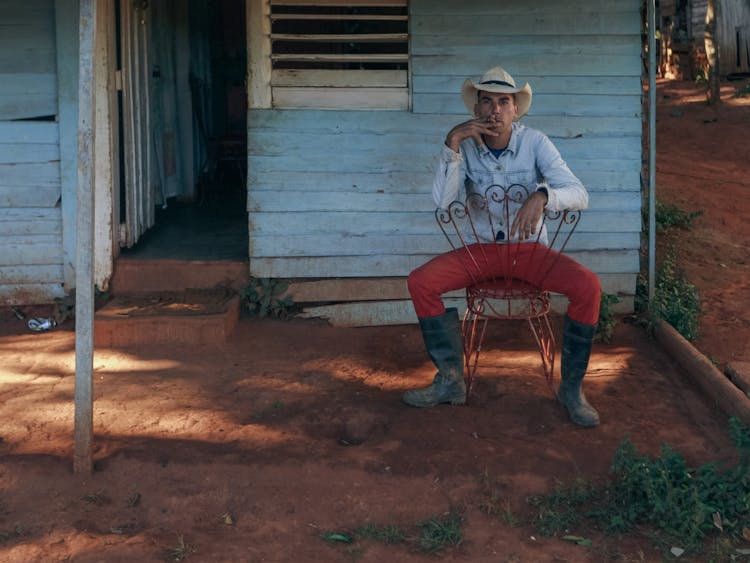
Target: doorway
<point>183,142</point>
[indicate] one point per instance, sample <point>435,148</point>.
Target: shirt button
<point>499,167</point>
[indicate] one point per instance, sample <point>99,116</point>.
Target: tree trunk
<point>711,42</point>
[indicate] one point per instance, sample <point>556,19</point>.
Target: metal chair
<point>480,226</point>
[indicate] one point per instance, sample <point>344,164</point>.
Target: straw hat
<point>498,81</point>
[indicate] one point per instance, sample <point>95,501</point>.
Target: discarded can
<point>40,324</point>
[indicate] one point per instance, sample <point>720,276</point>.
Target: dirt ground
<point>252,451</point>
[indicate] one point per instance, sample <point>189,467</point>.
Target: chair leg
<point>473,333</point>
<point>545,341</point>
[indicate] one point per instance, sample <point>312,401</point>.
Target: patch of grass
<point>389,534</point>
<point>97,498</point>
<point>743,91</point>
<point>439,532</point>
<point>492,502</point>
<point>9,535</point>
<point>181,551</point>
<point>683,508</point>
<point>675,300</point>
<point>427,536</point>
<point>605,328</point>
<point>558,512</point>
<point>670,216</point>
<point>264,297</point>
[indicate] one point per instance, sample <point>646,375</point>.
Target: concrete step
<point>176,317</point>
<point>144,276</point>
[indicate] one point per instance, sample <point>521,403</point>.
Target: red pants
<point>456,270</point>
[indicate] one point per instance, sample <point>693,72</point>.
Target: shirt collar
<point>512,143</point>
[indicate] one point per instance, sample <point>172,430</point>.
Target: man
<point>494,149</point>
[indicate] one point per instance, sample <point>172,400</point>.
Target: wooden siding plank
<point>311,148</point>
<point>44,132</point>
<point>336,98</point>
<point>30,221</point>
<point>527,23</point>
<point>599,85</point>
<point>338,78</point>
<point>373,244</point>
<point>30,174</point>
<point>28,250</point>
<point>25,196</point>
<point>605,261</point>
<point>274,201</point>
<point>482,37</point>
<point>625,179</point>
<point>411,223</point>
<point>542,105</point>
<point>583,64</point>
<point>28,106</point>
<point>30,293</point>
<point>509,7</point>
<point>22,153</point>
<point>25,83</point>
<point>384,124</point>
<point>39,274</point>
<point>400,163</point>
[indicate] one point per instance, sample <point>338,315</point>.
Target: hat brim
<point>523,95</point>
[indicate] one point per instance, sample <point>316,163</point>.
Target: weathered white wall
<point>346,194</point>
<point>31,254</point>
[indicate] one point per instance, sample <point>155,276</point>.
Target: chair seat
<point>507,300</point>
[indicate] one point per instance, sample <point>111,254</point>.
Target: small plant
<point>9,535</point>
<point>430,536</point>
<point>675,300</point>
<point>440,531</point>
<point>558,511</point>
<point>668,215</point>
<point>683,508</point>
<point>182,550</point>
<point>66,305</point>
<point>742,92</point>
<point>389,534</point>
<point>264,297</point>
<point>605,328</point>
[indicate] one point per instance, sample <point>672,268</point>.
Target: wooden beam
<point>83,436</point>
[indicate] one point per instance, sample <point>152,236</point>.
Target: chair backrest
<point>500,267</point>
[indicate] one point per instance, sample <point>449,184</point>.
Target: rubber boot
<point>444,343</point>
<point>576,350</point>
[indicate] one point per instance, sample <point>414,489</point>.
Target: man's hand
<point>528,216</point>
<point>473,128</point>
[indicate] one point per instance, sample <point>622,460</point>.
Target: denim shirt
<point>530,160</point>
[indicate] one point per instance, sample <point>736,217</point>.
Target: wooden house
<point>338,108</point>
<point>682,25</point>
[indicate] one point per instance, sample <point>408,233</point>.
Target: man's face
<point>500,109</point>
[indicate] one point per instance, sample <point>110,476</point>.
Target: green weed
<point>669,216</point>
<point>743,91</point>
<point>605,328</point>
<point>675,300</point>
<point>264,297</point>
<point>181,551</point>
<point>389,534</point>
<point>440,531</point>
<point>428,536</point>
<point>682,506</point>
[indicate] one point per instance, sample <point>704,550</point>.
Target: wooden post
<point>83,435</point>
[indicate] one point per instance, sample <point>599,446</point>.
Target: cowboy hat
<point>498,81</point>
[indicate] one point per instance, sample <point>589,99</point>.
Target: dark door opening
<point>196,125</point>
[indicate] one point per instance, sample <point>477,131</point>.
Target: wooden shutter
<point>340,54</point>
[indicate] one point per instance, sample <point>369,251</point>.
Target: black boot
<point>576,349</point>
<point>444,343</point>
